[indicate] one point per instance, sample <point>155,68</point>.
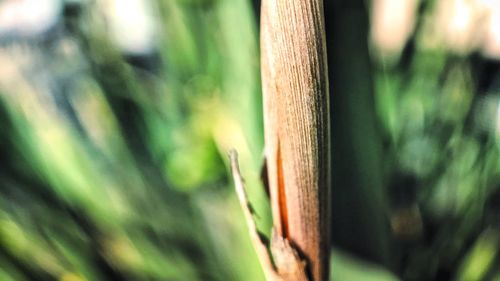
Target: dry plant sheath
<point>296,108</point>
<point>296,122</point>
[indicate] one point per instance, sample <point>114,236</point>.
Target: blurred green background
<point>116,118</point>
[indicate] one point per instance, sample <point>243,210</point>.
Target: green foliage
<point>125,178</point>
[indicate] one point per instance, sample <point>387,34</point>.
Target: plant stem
<point>296,125</point>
